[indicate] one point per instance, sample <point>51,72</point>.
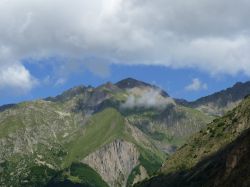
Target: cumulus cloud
<point>150,98</point>
<point>196,85</point>
<point>16,78</point>
<point>175,34</point>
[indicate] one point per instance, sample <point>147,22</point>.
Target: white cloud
<point>16,78</point>
<point>175,34</point>
<point>149,98</point>
<point>196,85</point>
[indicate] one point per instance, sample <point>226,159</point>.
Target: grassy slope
<point>10,125</point>
<point>156,125</point>
<point>77,174</point>
<point>209,140</point>
<point>196,114</point>
<point>219,134</point>
<point>227,167</point>
<point>102,129</point>
<point>28,114</point>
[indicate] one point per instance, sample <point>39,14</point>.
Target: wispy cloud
<point>149,98</point>
<point>196,85</point>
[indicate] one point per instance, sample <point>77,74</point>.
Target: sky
<point>188,48</point>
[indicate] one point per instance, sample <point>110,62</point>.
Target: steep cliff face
<point>114,162</point>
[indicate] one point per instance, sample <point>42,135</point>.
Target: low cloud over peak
<point>146,98</point>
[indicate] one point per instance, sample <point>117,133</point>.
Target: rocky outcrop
<point>114,162</point>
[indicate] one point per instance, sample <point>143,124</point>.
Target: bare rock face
<point>114,162</point>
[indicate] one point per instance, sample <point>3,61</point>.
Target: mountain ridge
<point>43,140</point>
<point>219,102</point>
<point>129,83</point>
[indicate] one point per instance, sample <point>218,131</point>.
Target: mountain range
<point>122,134</point>
<point>220,102</point>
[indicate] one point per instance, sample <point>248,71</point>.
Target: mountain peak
<point>238,84</point>
<point>241,85</point>
<point>131,83</point>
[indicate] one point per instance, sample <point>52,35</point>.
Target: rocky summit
<point>125,134</point>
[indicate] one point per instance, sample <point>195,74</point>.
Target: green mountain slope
<point>35,149</point>
<point>120,133</point>
<point>101,129</point>
<point>216,156</point>
<point>77,175</point>
<point>171,126</point>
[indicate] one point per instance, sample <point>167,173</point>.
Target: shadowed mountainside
<point>216,156</point>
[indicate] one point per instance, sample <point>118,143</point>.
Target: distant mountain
<point>110,135</point>
<point>219,103</point>
<point>216,156</point>
<point>5,107</point>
